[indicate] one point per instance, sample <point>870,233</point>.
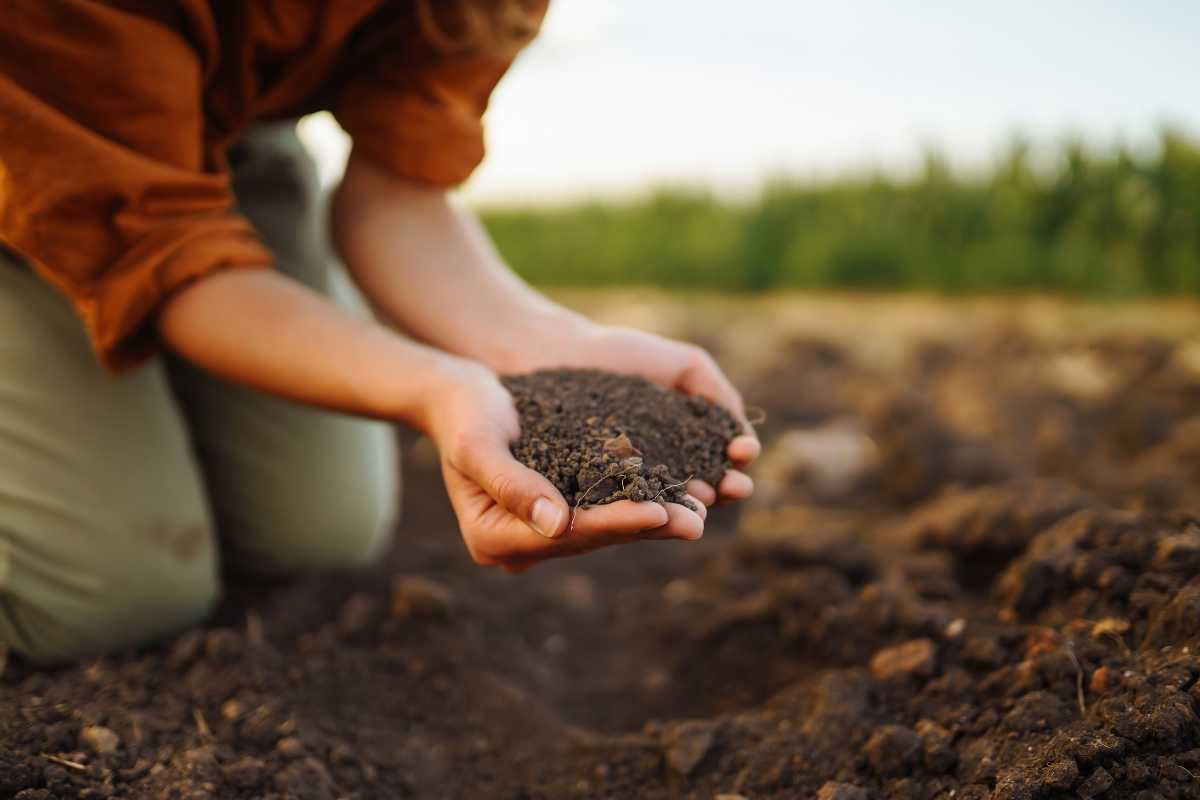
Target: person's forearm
<point>262,329</point>
<point>431,269</point>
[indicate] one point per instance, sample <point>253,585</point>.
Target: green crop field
<point>1110,223</point>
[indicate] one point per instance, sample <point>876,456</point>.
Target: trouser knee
<point>122,609</point>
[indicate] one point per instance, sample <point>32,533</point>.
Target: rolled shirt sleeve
<point>104,188</point>
<point>416,110</point>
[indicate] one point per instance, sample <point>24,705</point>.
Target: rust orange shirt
<point>115,116</point>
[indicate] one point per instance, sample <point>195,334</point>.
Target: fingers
<point>521,491</point>
<point>735,486</point>
<point>594,527</point>
<point>684,523</point>
<point>743,449</point>
<point>622,517</point>
<point>675,521</point>
<point>681,523</point>
<point>703,377</point>
<point>704,493</point>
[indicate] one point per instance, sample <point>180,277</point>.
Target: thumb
<point>519,490</point>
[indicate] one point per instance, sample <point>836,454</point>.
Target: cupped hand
<point>509,515</point>
<point>674,365</point>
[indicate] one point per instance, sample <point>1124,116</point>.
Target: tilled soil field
<point>971,570</point>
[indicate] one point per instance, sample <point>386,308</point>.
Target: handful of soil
<point>601,436</point>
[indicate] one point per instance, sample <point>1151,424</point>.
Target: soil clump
<point>602,436</point>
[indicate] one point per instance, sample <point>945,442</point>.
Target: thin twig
<point>580,498</point>
<point>760,415</point>
<point>1078,681</point>
<point>666,489</point>
<point>620,471</point>
<point>65,762</point>
<point>201,723</point>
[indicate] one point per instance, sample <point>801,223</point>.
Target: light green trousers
<point>121,496</point>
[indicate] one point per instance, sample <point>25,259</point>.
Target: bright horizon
<point>619,96</point>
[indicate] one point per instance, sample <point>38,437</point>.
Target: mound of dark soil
<point>1005,606</point>
<point>601,436</point>
<point>1074,674</point>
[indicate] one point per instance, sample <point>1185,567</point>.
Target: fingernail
<point>546,517</point>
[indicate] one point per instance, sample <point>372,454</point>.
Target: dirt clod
<point>1097,784</point>
<point>357,613</point>
<point>914,659</point>
<point>414,596</point>
<point>1110,626</point>
<point>687,743</point>
<point>1060,774</point>
<point>601,436</point>
<point>245,773</point>
<point>1103,681</point>
<point>307,779</point>
<point>892,750</point>
<point>100,739</point>
<point>290,747</point>
<point>832,790</point>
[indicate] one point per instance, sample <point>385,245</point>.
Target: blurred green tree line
<point>1099,222</point>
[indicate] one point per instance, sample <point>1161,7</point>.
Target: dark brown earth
<point>971,570</point>
<point>600,436</point>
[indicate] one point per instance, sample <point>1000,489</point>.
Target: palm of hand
<point>500,503</point>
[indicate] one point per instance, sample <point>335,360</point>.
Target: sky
<point>617,96</point>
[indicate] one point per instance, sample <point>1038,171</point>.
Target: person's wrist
<point>449,379</point>
<point>551,338</point>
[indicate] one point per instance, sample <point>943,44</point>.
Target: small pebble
<point>356,613</point>
<point>101,740</point>
<point>687,743</point>
<point>232,709</point>
<point>913,659</point>
<point>414,596</point>
<point>290,747</point>
<point>1103,681</point>
<point>892,750</point>
<point>833,790</point>
<point>245,773</point>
